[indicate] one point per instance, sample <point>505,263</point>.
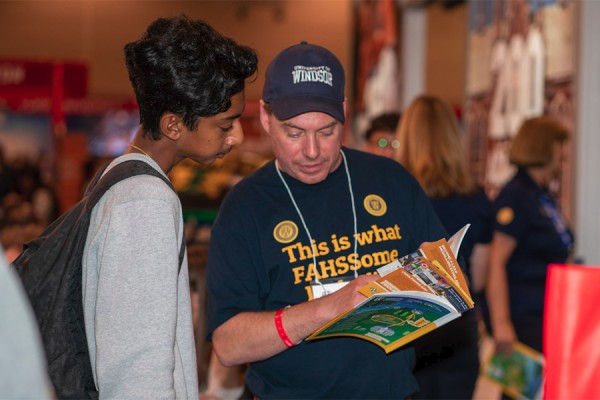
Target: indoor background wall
<point>446,52</point>
<point>94,32</point>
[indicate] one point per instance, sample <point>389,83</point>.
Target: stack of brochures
<point>413,296</point>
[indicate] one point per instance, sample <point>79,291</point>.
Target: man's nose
<point>311,146</point>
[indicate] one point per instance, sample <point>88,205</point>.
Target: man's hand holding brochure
<point>413,296</point>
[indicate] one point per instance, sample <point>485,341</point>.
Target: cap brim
<point>291,107</point>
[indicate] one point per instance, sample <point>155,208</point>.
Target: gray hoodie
<point>137,305</point>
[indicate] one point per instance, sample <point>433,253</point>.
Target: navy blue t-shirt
<point>456,211</point>
<point>523,210</point>
<point>260,259</point>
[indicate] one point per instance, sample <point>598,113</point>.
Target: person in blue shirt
<point>529,234</point>
<point>316,216</point>
<point>431,148</point>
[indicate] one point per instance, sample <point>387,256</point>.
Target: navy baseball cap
<point>305,78</point>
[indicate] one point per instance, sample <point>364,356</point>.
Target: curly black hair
<point>185,67</point>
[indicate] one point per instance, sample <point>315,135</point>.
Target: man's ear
<point>264,117</point>
<point>170,125</point>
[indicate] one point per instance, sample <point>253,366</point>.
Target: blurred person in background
<point>40,194</point>
<point>431,148</point>
<point>23,373</point>
<point>8,177</point>
<point>27,207</point>
<point>381,134</point>
<point>529,234</point>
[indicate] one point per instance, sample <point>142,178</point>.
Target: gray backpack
<point>50,270</point>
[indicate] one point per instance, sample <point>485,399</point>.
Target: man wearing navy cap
<point>294,242</point>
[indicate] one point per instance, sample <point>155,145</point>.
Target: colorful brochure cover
<point>520,375</point>
<point>414,295</point>
<point>390,320</point>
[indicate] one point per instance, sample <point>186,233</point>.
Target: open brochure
<point>414,295</point>
<point>520,374</point>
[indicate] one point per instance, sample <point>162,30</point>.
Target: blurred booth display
<point>377,80</point>
<point>95,132</point>
<point>520,65</point>
<point>24,81</point>
<point>24,135</point>
<point>46,113</point>
<point>32,86</point>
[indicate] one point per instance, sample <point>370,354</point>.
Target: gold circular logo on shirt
<point>285,232</point>
<point>375,205</point>
<point>505,215</point>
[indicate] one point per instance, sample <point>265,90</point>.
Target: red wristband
<point>279,325</point>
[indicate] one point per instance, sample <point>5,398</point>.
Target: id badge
<point>328,286</point>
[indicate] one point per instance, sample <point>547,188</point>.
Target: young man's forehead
<point>236,109</point>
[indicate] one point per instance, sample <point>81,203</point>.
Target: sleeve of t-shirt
<point>232,259</point>
<point>510,213</point>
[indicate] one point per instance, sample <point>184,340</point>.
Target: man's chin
<point>207,162</point>
<point>311,179</point>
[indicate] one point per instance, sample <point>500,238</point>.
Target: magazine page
<point>441,255</point>
<point>520,375</point>
<point>390,320</point>
<point>456,240</point>
<point>434,277</point>
<point>397,281</point>
<point>454,245</point>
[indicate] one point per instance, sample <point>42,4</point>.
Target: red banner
<point>572,332</point>
<point>21,79</point>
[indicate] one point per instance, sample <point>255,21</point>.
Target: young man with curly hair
<point>189,84</point>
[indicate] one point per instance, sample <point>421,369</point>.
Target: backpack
<point>51,274</point>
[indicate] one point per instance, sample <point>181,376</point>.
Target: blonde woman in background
<point>431,148</point>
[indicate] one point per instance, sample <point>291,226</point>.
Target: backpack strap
<point>96,177</point>
<point>101,182</point>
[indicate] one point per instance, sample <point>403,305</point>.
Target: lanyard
<point>306,227</point>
